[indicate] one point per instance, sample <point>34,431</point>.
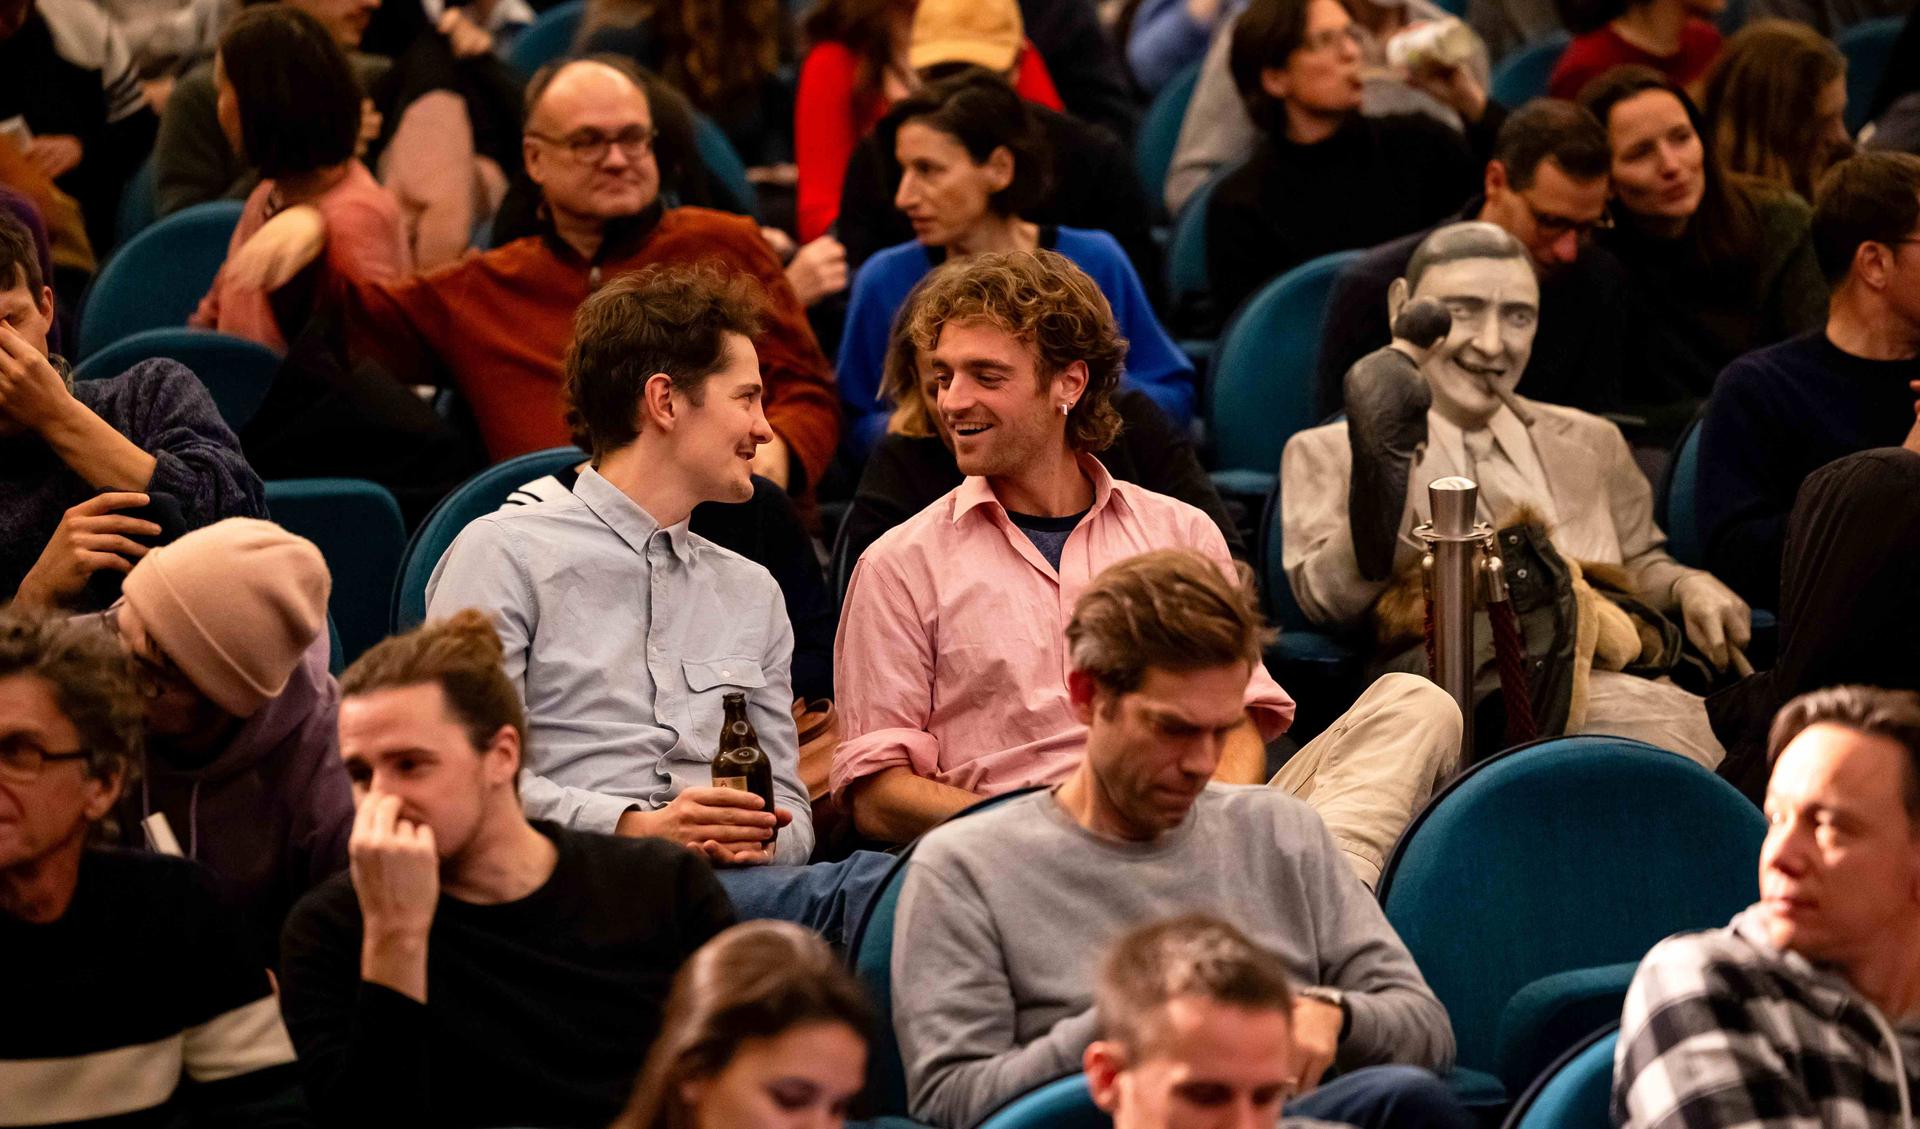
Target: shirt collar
<point>1509,434</point>
<point>620,238</point>
<point>624,516</point>
<point>974,491</point>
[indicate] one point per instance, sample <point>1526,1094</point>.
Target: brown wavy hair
<point>753,981</point>
<point>712,50</point>
<point>1760,95</point>
<point>1170,608</point>
<point>1043,300</point>
<point>92,683</point>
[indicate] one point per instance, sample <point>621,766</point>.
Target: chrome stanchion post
<point>1455,542</point>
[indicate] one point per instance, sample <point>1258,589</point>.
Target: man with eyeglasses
<point>1546,185</point>
<point>132,997</point>
<point>1780,413</point>
<point>499,322</point>
<point>227,632</point>
<point>1324,176</point>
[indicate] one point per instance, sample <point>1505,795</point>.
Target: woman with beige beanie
<point>227,627</point>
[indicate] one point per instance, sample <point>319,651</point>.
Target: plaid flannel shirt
<point>1722,1029</point>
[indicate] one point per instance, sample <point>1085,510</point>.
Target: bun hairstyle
<point>461,654</point>
<point>753,981</point>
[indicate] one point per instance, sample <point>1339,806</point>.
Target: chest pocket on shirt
<point>743,672</point>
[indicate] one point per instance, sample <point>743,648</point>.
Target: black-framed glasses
<point>590,146</point>
<point>1554,226</point>
<point>153,674</point>
<point>22,758</point>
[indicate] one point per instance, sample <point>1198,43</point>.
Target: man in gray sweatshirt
<point>1004,914</point>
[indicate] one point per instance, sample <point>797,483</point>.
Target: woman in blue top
<point>972,159</point>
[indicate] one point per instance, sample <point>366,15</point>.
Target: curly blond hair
<point>1043,300</point>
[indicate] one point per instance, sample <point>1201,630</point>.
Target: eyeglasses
<point>1331,39</point>
<point>590,146</point>
<point>22,758</point>
<point>154,673</point>
<point>1554,226</point>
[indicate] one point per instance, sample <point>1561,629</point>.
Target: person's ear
<point>1081,689</point>
<point>1495,181</point>
<point>1870,264</point>
<point>46,304</point>
<point>1275,82</point>
<point>999,166</point>
<point>530,155</point>
<point>1398,292</point>
<point>502,756</point>
<point>1103,1063</point>
<point>102,792</point>
<point>692,1092</point>
<point>656,402</point>
<point>1070,383</point>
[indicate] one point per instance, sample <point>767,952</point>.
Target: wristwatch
<point>1334,996</point>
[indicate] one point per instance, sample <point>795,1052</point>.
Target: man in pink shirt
<point>951,660</point>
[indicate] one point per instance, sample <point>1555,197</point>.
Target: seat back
<point>481,494</point>
<point>1523,74</point>
<point>1868,47</point>
<point>1566,854</point>
<point>1065,1103</point>
<point>139,207</point>
<point>1262,388</point>
<point>870,956</point>
<point>357,526</point>
<point>1187,280</point>
<point>549,37</point>
<point>238,373</point>
<point>723,161</point>
<point>1159,133</point>
<point>1575,1093</point>
<point>1679,513</point>
<point>159,276</point>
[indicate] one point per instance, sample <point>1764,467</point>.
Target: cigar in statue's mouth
<point>1513,405</point>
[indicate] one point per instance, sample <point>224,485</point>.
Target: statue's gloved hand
<point>1387,402</point>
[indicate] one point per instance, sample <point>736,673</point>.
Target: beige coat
<point>1602,504</point>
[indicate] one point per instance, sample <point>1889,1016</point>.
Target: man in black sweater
<point>473,968</point>
<point>1546,185</point>
<point>1324,177</point>
<point>1780,413</point>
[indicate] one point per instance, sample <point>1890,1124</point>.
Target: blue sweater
<point>1155,364</point>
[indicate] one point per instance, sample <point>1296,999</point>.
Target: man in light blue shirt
<point>625,631</point>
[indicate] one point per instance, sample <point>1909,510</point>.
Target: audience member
<point>227,629</point>
<point>1351,500</point>
<point>962,605</point>
<point>69,95</point>
<point>1893,117</point>
<point>1802,1009</point>
<point>1323,177</point>
<point>862,57</point>
<point>1092,185</point>
<point>1003,914</point>
<point>79,456</point>
<point>474,968</point>
<point>499,321</point>
<point>132,996</point>
<point>1779,414</point>
<point>194,160</point>
<point>1777,102</point>
<point>1828,17</point>
<point>1506,26</point>
<point>974,164</point>
<point>1675,38</point>
<point>1547,187</point>
<point>1848,598</point>
<point>765,1029</point>
<point>291,107</point>
<point>1195,1026</point>
<point>1086,66</point>
<point>726,57</point>
<point>913,464</point>
<point>1219,131</point>
<point>1722,267</point>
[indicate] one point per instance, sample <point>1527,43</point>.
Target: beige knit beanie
<point>235,605</point>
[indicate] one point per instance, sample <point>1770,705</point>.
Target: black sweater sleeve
<point>1741,504</point>
<point>1160,457</point>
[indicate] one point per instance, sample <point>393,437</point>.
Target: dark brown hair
<point>91,679</point>
<point>661,319</point>
<point>1196,955</point>
<point>1171,608</point>
<point>299,99</point>
<point>19,258</point>
<point>1892,714</point>
<point>978,109</point>
<point>862,27</point>
<point>1552,129</point>
<point>753,981</point>
<point>712,50</point>
<point>462,655</point>
<point>1043,300</point>
<point>1760,97</point>
<point>1871,198</point>
<point>1267,34</point>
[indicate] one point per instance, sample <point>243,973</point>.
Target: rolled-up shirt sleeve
<point>883,672</point>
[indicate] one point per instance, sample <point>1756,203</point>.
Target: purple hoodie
<point>271,813</point>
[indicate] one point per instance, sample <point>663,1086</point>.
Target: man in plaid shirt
<point>1805,1010</point>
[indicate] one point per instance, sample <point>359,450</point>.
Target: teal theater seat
<point>238,373</point>
<point>357,526</point>
<point>158,277</point>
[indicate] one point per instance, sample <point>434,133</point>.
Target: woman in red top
<point>866,53</point>
<point>1675,37</point>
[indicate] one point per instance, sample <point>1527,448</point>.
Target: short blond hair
<point>1043,300</point>
<point>1171,608</point>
